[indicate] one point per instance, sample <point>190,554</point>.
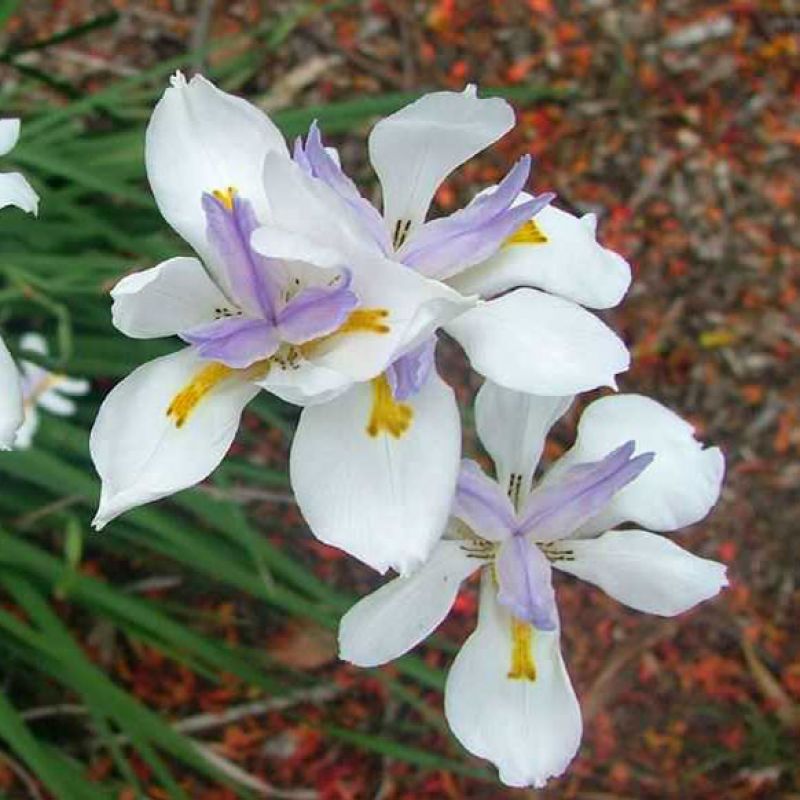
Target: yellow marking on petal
<point>225,196</point>
<point>523,666</point>
<point>187,399</point>
<point>48,382</point>
<point>387,414</point>
<point>527,233</point>
<point>365,320</point>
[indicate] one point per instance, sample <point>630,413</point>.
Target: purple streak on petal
<point>236,342</point>
<point>317,311</point>
<point>253,278</point>
<point>482,504</point>
<point>556,509</point>
<point>443,247</point>
<point>318,162</point>
<point>525,580</point>
<point>407,374</point>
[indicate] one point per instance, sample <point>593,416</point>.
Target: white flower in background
<point>537,338</point>
<point>11,410</point>
<point>14,188</point>
<point>43,389</point>
<point>14,191</point>
<point>508,696</point>
<point>303,325</point>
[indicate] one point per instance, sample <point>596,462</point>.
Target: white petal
<point>513,426</point>
<point>645,571</point>
<point>26,431</point>
<point>16,191</point>
<point>33,342</point>
<point>201,139</point>
<point>11,412</point>
<point>571,264</point>
<point>530,730</point>
<point>381,498</point>
<point>403,612</point>
<point>304,383</point>
<point>533,342</point>
<point>57,404</point>
<point>73,386</point>
<point>681,485</point>
<point>416,148</point>
<point>9,134</point>
<point>140,453</point>
<point>167,299</point>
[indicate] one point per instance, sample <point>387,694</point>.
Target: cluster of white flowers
<point>301,288</point>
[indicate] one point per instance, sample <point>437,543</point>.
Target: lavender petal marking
<point>525,580</point>
<point>407,374</point>
<point>481,504</point>
<point>317,311</point>
<point>443,247</point>
<point>253,278</point>
<point>556,509</point>
<point>236,342</point>
<point>316,161</point>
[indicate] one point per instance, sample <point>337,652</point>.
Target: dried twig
<point>24,776</point>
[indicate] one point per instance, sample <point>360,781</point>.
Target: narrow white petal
<point>9,134</point>
<point>16,191</point>
<point>681,485</point>
<point>645,571</point>
<point>138,449</point>
<point>201,139</point>
<point>11,412</point>
<point>530,730</point>
<point>416,148</point>
<point>25,433</point>
<point>403,612</point>
<point>170,298</point>
<point>56,403</point>
<point>513,426</point>
<point>533,342</point>
<point>571,263</point>
<point>384,499</point>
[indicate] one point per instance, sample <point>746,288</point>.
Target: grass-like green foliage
<point>97,222</point>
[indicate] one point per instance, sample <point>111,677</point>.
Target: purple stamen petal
<point>317,311</point>
<point>482,504</point>
<point>407,374</point>
<point>236,342</point>
<point>300,158</point>
<point>443,247</point>
<point>253,279</point>
<point>318,162</point>
<point>561,506</point>
<point>525,583</point>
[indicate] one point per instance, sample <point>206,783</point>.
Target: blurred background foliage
<point>188,651</point>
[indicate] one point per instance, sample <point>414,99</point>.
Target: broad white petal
<point>533,342</point>
<point>416,148</point>
<point>11,412</point>
<point>570,263</point>
<point>170,298</point>
<point>384,499</point>
<point>9,134</point>
<point>16,191</point>
<point>138,449</point>
<point>513,426</point>
<point>681,485</point>
<point>201,139</point>
<point>530,730</point>
<point>645,571</point>
<point>403,612</point>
